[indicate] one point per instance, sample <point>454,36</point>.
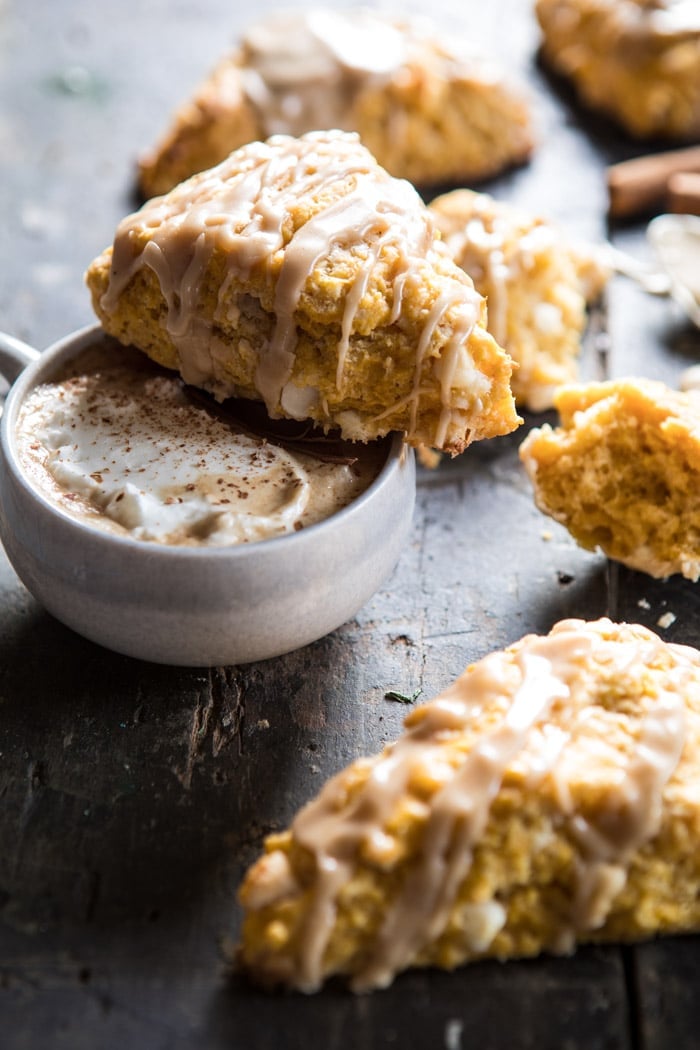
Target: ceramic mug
<point>193,606</point>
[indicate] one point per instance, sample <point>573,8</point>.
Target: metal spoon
<point>676,243</point>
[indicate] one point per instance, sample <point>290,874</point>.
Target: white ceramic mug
<point>193,606</point>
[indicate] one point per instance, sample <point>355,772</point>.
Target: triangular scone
<point>622,472</point>
<point>550,795</point>
<point>638,61</point>
<point>298,272</point>
<point>428,109</point>
<point>535,282</point>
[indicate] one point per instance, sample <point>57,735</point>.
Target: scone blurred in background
<point>638,61</point>
<point>424,104</point>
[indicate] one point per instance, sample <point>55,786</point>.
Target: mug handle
<point>14,356</point>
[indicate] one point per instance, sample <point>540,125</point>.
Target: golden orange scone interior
<point>535,283</point>
<point>299,273</point>
<point>622,472</point>
<point>429,109</point>
<point>635,60</point>
<point>551,795</point>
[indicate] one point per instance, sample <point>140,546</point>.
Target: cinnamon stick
<point>684,193</point>
<point>639,185</point>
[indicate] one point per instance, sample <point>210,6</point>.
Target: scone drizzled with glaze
<point>299,273</point>
<point>428,108</point>
<point>638,61</point>
<point>536,284</point>
<point>622,472</point>
<point>549,796</point>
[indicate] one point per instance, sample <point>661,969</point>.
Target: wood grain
<point>133,796</point>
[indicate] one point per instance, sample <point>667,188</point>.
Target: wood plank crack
<point>216,723</point>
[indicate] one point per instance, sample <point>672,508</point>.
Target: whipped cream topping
<point>548,734</point>
<point>121,446</point>
<point>244,211</point>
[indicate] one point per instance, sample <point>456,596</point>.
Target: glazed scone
<point>622,473</point>
<point>551,795</point>
<point>638,61</point>
<point>428,109</point>
<point>299,273</point>
<point>535,283</point>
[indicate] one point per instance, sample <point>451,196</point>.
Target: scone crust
<point>535,879</point>
<point>622,472</point>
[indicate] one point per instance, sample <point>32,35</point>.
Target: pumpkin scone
<point>637,61</point>
<point>536,284</point>
<point>429,109</point>
<point>550,796</point>
<point>299,273</point>
<point>622,473</point>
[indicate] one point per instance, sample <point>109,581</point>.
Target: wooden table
<point>132,796</point>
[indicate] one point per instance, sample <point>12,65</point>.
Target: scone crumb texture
<point>622,472</point>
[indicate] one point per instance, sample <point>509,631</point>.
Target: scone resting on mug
<point>622,472</point>
<point>428,108</point>
<point>550,796</point>
<point>536,284</point>
<point>299,273</point>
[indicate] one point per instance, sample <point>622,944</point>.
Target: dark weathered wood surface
<point>132,796</point>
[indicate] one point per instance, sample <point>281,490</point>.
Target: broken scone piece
<point>622,473</point>
<point>536,284</point>
<point>638,61</point>
<point>299,273</point>
<point>549,796</point>
<point>429,109</point>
